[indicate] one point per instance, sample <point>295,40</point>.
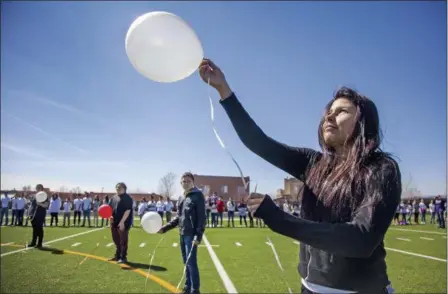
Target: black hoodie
<point>345,253</point>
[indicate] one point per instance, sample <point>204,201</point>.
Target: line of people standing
<point>414,211</point>
<point>164,207</point>
<point>215,208</point>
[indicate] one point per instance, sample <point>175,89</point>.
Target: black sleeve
<point>200,217</point>
<point>128,204</point>
<point>171,225</point>
<point>358,238</point>
<point>292,160</point>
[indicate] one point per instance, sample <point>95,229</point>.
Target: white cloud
<point>24,151</point>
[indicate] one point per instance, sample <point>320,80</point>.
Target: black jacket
<point>344,252</point>
<point>190,215</point>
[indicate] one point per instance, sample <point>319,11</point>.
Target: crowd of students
<point>415,212</point>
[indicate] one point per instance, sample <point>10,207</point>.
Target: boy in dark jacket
<point>191,221</point>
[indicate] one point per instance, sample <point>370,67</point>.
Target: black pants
<point>416,217</point>
<point>14,217</point>
<point>231,218</point>
<point>161,214</point>
<point>38,232</point>
<point>54,216</point>
<point>77,214</point>
<point>19,214</point>
<point>102,221</point>
<point>241,220</point>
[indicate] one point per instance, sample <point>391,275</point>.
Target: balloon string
<point>185,268</point>
<point>221,142</point>
<point>152,258</point>
<point>279,264</point>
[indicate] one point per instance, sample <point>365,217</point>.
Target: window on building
<point>224,189</point>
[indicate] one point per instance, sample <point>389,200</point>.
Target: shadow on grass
<point>133,265</point>
<point>130,265</point>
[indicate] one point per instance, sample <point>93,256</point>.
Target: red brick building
<point>224,187</point>
<point>292,190</point>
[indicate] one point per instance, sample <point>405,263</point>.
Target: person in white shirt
<point>152,204</point>
<point>4,209</point>
<point>86,208</point>
<point>20,209</point>
<point>432,211</point>
<point>13,211</point>
<point>142,207</point>
<point>168,209</point>
<point>230,212</point>
<point>160,207</point>
<point>67,206</point>
<point>55,206</point>
<point>214,210</point>
<point>422,207</point>
<point>77,206</point>
<point>95,207</point>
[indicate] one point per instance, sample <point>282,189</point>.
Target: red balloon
<point>105,211</point>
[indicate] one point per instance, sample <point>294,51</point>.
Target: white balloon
<point>41,196</point>
<point>151,222</point>
<point>163,47</point>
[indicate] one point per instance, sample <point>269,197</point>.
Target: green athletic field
<point>75,261</point>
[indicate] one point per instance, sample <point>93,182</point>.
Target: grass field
<point>76,261</point>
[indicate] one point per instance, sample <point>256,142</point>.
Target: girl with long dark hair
<point>350,194</point>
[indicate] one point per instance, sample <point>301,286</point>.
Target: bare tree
<point>63,189</point>
<point>76,190</point>
<point>166,185</point>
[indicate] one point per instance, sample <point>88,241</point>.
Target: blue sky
<point>76,113</point>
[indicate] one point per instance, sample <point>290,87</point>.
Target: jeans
<point>220,214</point>
<point>423,217</point>
<point>207,212</point>
<point>231,217</point>
<point>66,217</point>
<point>192,281</point>
<point>4,213</point>
<point>168,216</point>
<point>13,219</point>
<point>433,218</point>
<point>86,214</point>
<point>214,219</point>
<point>440,219</point>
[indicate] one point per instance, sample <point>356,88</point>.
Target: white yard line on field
<point>238,244</point>
<point>416,254</point>
<point>429,239</point>
<point>109,245</point>
<point>418,231</point>
<point>52,241</point>
<point>76,244</point>
<point>142,245</point>
<point>404,239</point>
<point>174,244</point>
<point>296,242</point>
<point>221,271</point>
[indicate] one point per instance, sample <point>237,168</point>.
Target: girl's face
<point>339,122</point>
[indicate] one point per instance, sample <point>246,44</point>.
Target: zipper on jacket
<point>309,263</point>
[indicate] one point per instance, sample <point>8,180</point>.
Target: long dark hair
<point>340,183</point>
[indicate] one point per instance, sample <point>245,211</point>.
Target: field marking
<point>418,231</point>
<point>238,244</point>
<point>444,237</point>
<point>210,245</point>
<point>296,242</point>
<point>429,239</point>
<point>7,244</point>
<point>174,244</point>
<point>415,254</point>
<point>154,278</point>
<point>76,244</point>
<point>404,239</point>
<point>219,268</point>
<point>142,245</point>
<point>52,241</point>
<point>109,245</point>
